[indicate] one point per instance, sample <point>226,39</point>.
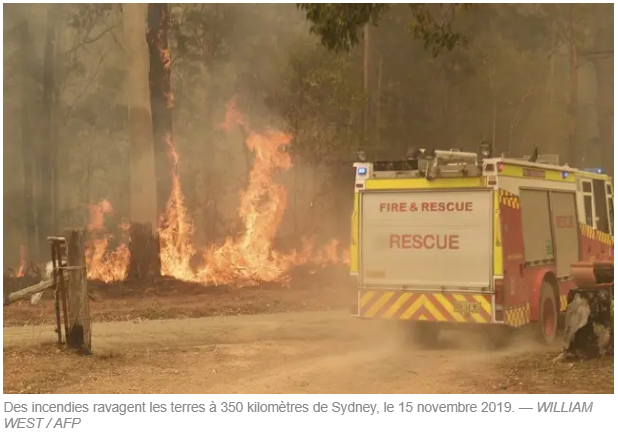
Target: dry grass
<point>537,373</point>
<point>171,299</point>
<point>43,369</point>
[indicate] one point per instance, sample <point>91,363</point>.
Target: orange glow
<point>102,264</point>
<point>176,229</point>
<point>233,117</point>
<point>21,271</point>
<point>251,257</point>
<point>242,260</point>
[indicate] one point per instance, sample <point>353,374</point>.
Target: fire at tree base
<point>589,326</point>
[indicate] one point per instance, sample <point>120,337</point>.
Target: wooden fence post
<point>78,308</point>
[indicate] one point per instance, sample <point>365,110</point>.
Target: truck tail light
<point>499,300</point>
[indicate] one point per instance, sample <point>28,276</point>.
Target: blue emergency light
<point>565,174</point>
<point>598,170</point>
<point>362,171</point>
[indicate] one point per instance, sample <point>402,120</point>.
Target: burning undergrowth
<point>247,259</point>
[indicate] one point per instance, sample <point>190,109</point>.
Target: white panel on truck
<point>564,219</point>
<point>536,225</point>
<point>430,240</point>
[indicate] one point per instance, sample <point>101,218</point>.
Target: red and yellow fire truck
<point>449,237</point>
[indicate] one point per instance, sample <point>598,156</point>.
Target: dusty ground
<point>268,339</point>
<point>311,352</point>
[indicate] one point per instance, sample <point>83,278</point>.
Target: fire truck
<point>453,239</point>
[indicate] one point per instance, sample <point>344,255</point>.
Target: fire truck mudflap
<point>426,255</point>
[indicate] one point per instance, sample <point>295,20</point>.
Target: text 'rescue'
<point>425,241</point>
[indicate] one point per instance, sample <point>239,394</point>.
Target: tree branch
<point>87,86</point>
<point>118,43</point>
<point>88,40</point>
<point>517,117</point>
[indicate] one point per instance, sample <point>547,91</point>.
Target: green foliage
<point>434,27</point>
<point>199,31</point>
<point>339,25</point>
<point>500,85</point>
<point>320,103</point>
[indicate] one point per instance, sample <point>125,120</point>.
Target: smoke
<point>264,57</point>
<point>248,62</point>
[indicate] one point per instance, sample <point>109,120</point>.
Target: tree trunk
<point>573,154</point>
<point>143,248</point>
<point>27,137</point>
<point>604,68</point>
<point>446,106</point>
<point>47,146</point>
<point>57,121</point>
<point>379,105</point>
<point>366,84</point>
<point>160,97</point>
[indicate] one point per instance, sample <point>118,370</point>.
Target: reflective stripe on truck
<point>423,306</point>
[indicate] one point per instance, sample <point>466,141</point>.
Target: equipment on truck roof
<point>450,238</point>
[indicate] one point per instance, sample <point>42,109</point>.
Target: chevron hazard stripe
<point>435,307</point>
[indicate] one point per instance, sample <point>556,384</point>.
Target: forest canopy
<point>335,77</point>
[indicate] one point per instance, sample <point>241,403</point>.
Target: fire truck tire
<point>424,335</point>
<point>547,321</point>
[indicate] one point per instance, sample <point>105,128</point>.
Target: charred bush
<point>589,325</point>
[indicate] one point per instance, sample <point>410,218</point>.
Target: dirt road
<point>315,352</point>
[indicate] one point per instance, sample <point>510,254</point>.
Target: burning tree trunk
<point>160,96</point>
<point>144,242</point>
<point>27,137</point>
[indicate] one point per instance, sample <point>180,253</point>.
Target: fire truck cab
<point>460,238</point>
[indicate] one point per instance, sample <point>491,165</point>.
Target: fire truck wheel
<point>424,334</point>
<point>547,322</point>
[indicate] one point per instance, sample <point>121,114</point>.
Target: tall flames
<point>240,260</point>
<point>103,264</point>
<point>21,271</point>
<point>176,229</point>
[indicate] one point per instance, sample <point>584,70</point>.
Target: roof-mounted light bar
<point>597,170</point>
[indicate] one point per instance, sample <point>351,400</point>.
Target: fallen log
<point>28,291</point>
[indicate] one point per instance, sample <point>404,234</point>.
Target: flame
<point>175,234</point>
<point>21,271</point>
<point>232,116</point>
<point>167,62</point>
<point>241,260</point>
<point>250,257</point>
<point>102,264</point>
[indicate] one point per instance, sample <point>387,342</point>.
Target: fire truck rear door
<point>426,240</point>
